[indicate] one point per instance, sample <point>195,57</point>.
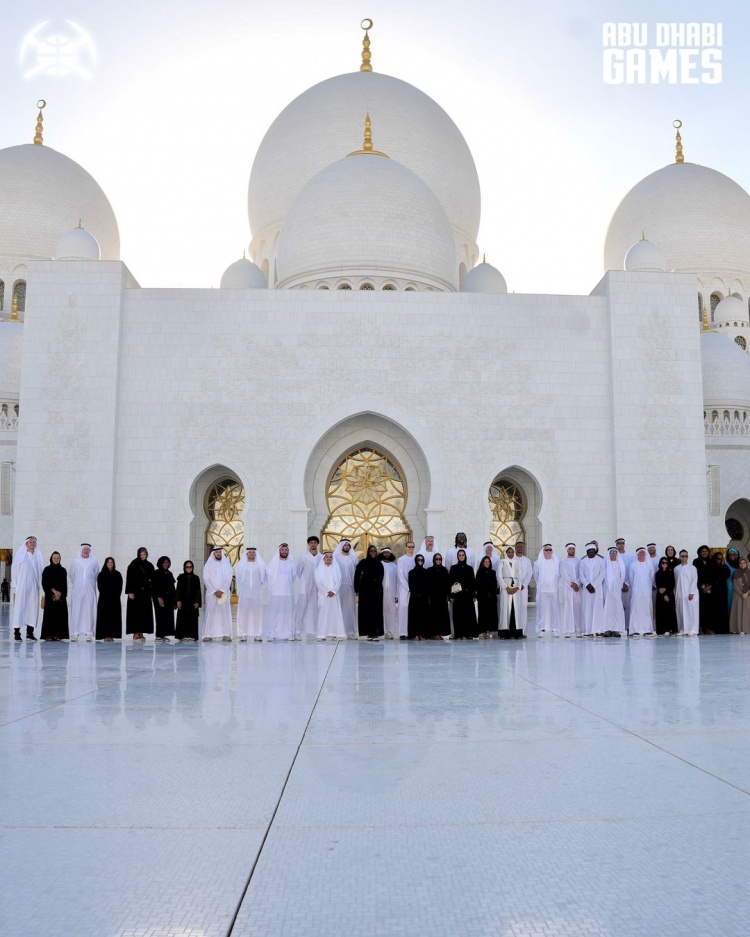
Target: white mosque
<point>365,374</point>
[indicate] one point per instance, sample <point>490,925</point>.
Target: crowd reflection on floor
<point>500,789</point>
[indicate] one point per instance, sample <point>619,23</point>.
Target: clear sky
<point>180,95</point>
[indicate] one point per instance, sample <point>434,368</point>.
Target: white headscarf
<point>79,556</point>
<point>547,571</point>
<point>243,562</point>
<point>226,566</point>
<point>428,557</point>
<point>34,558</point>
<point>272,567</point>
<point>610,569</point>
<point>338,553</point>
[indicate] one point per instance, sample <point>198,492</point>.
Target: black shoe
<point>16,634</point>
<point>30,633</point>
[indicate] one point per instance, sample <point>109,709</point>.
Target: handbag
<point>41,601</point>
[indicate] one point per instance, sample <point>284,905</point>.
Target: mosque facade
<point>364,373</point>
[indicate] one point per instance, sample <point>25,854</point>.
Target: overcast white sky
<point>181,94</point>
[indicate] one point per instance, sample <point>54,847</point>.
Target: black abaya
<point>419,603</point>
<point>108,605</point>
<point>438,590</point>
<point>139,617</point>
<point>55,618</point>
<point>486,588</point>
<point>188,594</point>
<point>464,613</point>
<point>368,584</point>
<point>163,587</point>
<point>665,609</point>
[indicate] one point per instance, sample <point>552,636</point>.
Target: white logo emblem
<point>58,50</point>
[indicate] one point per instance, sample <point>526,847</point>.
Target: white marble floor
<point>547,788</point>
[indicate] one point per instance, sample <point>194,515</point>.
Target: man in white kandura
<point>428,550</point>
<point>328,579</point>
<point>250,576</point>
<point>547,578</point>
<point>217,578</point>
<point>570,623</point>
<point>26,578</point>
<point>686,596</point>
<point>280,576</point>
<point>527,571</point>
<point>627,558</point>
<point>83,573</point>
<point>306,621</point>
<point>404,565</point>
<point>614,577</point>
<point>390,593</point>
<point>641,582</point>
<point>591,572</point>
<point>347,561</point>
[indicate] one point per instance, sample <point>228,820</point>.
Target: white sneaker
<point>388,636</point>
<point>73,638</point>
<point>243,637</point>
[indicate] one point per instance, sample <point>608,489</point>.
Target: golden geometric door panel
<point>366,498</point>
<point>508,507</point>
<point>225,502</point>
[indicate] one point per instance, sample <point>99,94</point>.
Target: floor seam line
<point>259,853</point>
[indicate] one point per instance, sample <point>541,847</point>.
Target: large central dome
<point>317,129</point>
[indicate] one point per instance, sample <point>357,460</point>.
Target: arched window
<point>343,286</point>
<point>224,504</point>
<point>700,307</point>
<point>367,286</point>
<point>19,295</point>
<point>508,507</point>
<point>2,295</point>
<point>716,298</point>
<point>366,498</point>
<point>740,340</point>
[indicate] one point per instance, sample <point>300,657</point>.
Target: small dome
<point>243,275</point>
<point>11,338</point>
<point>484,278</point>
<point>316,128</point>
<point>367,216</point>
<point>645,257</point>
<point>43,193</point>
<point>78,244</point>
<point>730,309</point>
<point>699,218</point>
<point>726,372</point>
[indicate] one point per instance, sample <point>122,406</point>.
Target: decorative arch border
<point>362,407</point>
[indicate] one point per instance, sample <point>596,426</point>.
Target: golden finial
<point>14,309</point>
<point>705,327</point>
<point>80,223</point>
<point>366,65</point>
<point>367,149</point>
<point>679,158</point>
<point>643,235</point>
<point>484,258</point>
<point>41,104</point>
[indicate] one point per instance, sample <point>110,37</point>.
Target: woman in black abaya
<point>419,600</point>
<point>139,616</point>
<point>368,584</point>
<point>463,587</point>
<point>188,601</point>
<point>666,610</point>
<point>55,587</point>
<point>486,588</point>
<point>108,607</point>
<point>163,589</point>
<point>438,590</point>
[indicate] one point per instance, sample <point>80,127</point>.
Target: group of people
<point>421,595</point>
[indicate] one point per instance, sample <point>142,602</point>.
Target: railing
<point>726,422</point>
<point>8,417</point>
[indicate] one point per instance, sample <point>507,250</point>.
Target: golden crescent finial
<point>367,148</point>
<point>38,139</point>
<point>366,65</point>
<point>679,158</point>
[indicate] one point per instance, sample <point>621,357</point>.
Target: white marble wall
<point>597,398</point>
